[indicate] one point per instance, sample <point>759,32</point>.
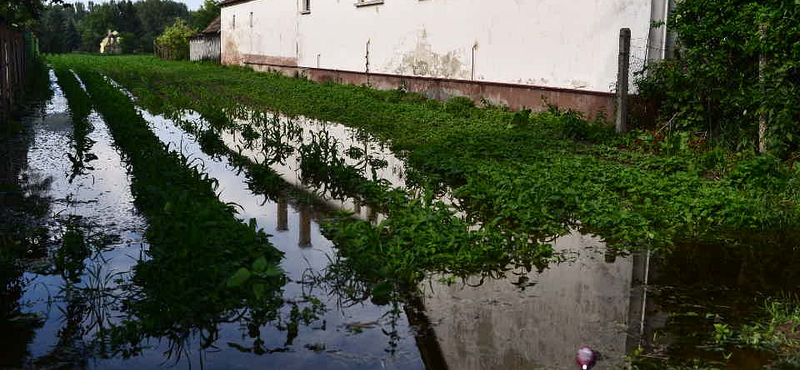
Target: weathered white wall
<point>273,32</point>
<point>544,42</point>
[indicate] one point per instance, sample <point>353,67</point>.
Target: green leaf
<point>238,278</point>
<point>259,289</point>
<point>272,271</point>
<point>259,265</point>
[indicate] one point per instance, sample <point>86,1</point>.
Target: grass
<point>778,331</point>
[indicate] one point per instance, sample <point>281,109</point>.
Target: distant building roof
<point>213,27</point>
<point>212,30</point>
<point>224,3</point>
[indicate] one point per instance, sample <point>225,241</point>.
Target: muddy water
<point>515,319</point>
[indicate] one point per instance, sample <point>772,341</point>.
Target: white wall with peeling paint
<point>273,31</point>
<point>552,43</point>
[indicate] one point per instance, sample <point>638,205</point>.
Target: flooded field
<point>71,281</point>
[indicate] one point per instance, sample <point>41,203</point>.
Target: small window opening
<point>306,6</point>
<point>233,23</point>
<point>251,19</point>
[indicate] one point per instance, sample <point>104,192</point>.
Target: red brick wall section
<point>592,104</point>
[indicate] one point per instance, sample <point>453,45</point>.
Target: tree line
<point>64,28</point>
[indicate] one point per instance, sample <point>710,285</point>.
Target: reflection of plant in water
<point>24,231</point>
<point>365,161</point>
<point>24,235</point>
<point>196,242</point>
<point>322,167</point>
<point>341,281</point>
<point>276,136</point>
<point>70,256</point>
<point>81,127</point>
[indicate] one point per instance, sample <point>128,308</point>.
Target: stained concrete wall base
<point>592,104</point>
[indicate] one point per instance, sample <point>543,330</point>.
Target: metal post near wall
<point>621,121</point>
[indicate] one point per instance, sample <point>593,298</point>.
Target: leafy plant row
<point>613,186</point>
<point>203,263</point>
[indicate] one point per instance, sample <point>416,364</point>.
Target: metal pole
<point>621,122</point>
<point>762,116</point>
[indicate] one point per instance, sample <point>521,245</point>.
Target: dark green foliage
<point>174,42</point>
<point>22,13</point>
<point>70,27</point>
<point>207,13</point>
<point>459,106</point>
<point>713,84</point>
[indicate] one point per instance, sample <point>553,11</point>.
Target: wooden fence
<point>13,65</point>
<point>167,53</point>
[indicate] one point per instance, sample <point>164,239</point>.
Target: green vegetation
<point>521,171</point>
<point>204,263</point>
<point>174,42</point>
<point>713,85</point>
<point>66,27</point>
<point>771,341</point>
<point>779,332</point>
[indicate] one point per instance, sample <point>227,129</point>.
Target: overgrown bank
<point>526,172</point>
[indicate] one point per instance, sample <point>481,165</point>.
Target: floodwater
<point>58,308</point>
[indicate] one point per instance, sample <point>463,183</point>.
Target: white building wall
<point>544,42</point>
<point>273,32</point>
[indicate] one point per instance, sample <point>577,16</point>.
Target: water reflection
<point>537,320</point>
<point>301,333</point>
<point>88,228</point>
<point>339,164</point>
<point>325,316</point>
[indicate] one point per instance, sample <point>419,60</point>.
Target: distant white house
<point>509,51</point>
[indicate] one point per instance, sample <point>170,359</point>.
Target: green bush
<point>713,84</point>
<point>173,44</point>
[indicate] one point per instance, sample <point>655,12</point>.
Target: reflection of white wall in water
<point>500,326</point>
<point>346,138</point>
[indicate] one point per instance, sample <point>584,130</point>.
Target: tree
<point>175,40</point>
<point>95,25</point>
<point>155,16</point>
<point>23,13</point>
<point>72,38</point>
<point>52,29</point>
<point>207,13</point>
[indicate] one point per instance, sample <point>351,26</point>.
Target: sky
<point>191,4</point>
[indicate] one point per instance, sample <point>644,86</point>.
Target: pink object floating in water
<point>586,358</point>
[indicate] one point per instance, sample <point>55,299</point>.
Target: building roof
<point>213,27</point>
<point>210,31</point>
<point>225,3</point>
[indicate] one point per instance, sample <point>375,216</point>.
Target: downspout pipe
<point>672,36</point>
<point>657,37</point>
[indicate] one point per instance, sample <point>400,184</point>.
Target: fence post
<point>762,115</point>
<point>3,73</point>
<point>621,121</point>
